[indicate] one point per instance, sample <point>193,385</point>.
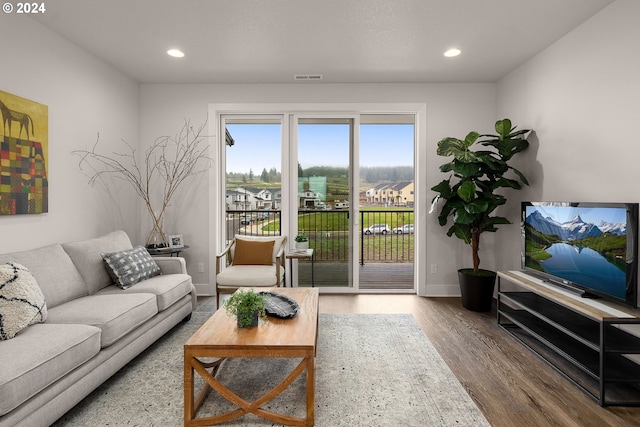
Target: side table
<point>300,254</point>
<point>167,251</point>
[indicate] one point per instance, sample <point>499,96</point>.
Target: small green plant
<point>244,304</point>
<point>301,237</point>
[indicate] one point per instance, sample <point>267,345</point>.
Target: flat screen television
<point>589,248</point>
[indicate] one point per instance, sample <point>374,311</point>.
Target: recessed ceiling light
<point>452,52</point>
<point>176,53</point>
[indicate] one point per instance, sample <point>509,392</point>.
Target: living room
<point>579,95</point>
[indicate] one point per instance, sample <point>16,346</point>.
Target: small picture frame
<point>176,241</point>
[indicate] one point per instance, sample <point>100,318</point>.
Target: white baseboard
<point>204,290</point>
<point>443,290</point>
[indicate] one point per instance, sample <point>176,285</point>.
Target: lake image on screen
<point>586,267</point>
<point>583,245</point>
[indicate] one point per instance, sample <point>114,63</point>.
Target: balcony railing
<point>385,235</point>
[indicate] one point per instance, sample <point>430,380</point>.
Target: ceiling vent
<point>307,77</point>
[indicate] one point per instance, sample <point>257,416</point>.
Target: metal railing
<point>385,235</point>
<point>253,223</point>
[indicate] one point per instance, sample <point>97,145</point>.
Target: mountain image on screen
<point>589,253</point>
<point>574,229</point>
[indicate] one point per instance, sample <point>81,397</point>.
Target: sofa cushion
<point>54,271</point>
<point>131,266</point>
<point>167,288</point>
<point>39,356</point>
<point>21,300</point>
<point>115,315</point>
<point>247,276</point>
<point>253,253</point>
<point>87,259</point>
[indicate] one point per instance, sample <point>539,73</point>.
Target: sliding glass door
<point>253,176</point>
<point>346,181</point>
<point>387,185</point>
<point>324,197</point>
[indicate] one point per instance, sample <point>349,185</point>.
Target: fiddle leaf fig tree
<point>471,191</point>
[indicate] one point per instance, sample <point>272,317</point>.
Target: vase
<point>247,319</point>
<point>302,245</point>
<point>157,238</point>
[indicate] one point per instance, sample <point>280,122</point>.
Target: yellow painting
<point>24,144</point>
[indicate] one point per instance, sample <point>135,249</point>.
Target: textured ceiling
<point>347,41</point>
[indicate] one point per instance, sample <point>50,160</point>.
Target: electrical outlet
<point>434,268</point>
<point>200,267</point>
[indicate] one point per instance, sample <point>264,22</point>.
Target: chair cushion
<point>247,276</point>
<point>41,355</point>
<point>278,241</point>
<point>57,276</point>
<point>168,289</point>
<point>131,266</point>
<point>115,315</point>
<point>253,252</point>
<point>87,259</point>
<point>21,300</point>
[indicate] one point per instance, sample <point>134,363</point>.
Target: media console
<point>593,343</point>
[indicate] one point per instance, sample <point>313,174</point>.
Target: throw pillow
<point>253,252</point>
<point>131,266</point>
<point>277,245</point>
<point>21,300</point>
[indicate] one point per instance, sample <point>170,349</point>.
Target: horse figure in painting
<point>9,116</point>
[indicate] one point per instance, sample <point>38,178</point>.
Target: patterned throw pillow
<point>131,266</point>
<point>21,300</point>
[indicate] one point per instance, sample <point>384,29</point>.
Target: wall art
<point>24,187</point>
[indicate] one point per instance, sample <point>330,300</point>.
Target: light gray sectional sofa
<point>92,329</point>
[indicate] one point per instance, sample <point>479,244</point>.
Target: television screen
<point>591,247</point>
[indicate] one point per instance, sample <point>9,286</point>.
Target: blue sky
<point>588,214</point>
<point>258,146</point>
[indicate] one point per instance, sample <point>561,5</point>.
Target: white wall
<point>581,96</point>
<point>452,110</point>
<point>84,96</point>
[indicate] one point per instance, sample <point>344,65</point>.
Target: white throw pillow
<point>21,300</point>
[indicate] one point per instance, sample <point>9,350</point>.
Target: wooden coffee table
<point>220,337</point>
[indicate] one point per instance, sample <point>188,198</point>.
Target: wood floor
<point>510,385</point>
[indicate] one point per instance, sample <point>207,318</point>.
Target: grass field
<point>328,233</point>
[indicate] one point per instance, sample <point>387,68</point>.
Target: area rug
<point>371,370</point>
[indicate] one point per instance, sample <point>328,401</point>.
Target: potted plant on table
<point>247,306</point>
<point>302,241</point>
<point>471,197</point>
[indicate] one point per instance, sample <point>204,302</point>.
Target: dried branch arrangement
<point>167,163</point>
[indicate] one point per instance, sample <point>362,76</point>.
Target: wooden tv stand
<point>590,342</point>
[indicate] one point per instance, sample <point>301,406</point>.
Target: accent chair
<point>250,262</point>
